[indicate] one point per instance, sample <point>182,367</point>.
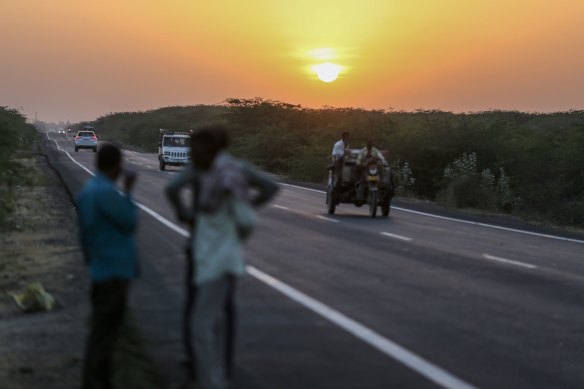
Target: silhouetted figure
<point>107,225</point>
<point>221,220</point>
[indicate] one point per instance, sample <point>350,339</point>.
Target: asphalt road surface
<point>415,300</point>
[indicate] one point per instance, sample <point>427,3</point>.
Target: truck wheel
<point>162,165</point>
<point>95,149</point>
<point>76,149</point>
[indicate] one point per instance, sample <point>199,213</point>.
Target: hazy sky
<point>73,60</point>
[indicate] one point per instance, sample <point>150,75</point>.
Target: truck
<point>174,148</point>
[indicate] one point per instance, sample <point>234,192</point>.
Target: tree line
<point>530,164</point>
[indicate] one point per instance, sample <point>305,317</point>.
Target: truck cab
<point>174,148</point>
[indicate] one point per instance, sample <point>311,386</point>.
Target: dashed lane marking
<point>395,236</point>
<point>327,219</point>
<point>509,261</point>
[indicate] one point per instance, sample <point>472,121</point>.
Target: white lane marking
<point>327,218</point>
<point>303,214</point>
<point>509,261</point>
<point>300,187</point>
<point>396,236</point>
<point>163,220</point>
<point>386,346</point>
<point>464,221</point>
<point>70,157</point>
<point>492,226</point>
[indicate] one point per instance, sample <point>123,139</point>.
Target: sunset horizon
<point>71,61</point>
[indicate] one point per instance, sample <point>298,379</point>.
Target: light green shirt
<point>218,241</point>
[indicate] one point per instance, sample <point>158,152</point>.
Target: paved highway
<point>415,300</point>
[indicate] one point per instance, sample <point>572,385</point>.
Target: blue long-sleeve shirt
<point>107,224</point>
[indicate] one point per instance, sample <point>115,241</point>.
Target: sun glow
<point>327,72</point>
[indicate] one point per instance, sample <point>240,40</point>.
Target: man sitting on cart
<point>366,155</point>
<point>339,150</point>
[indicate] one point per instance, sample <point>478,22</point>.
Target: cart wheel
<point>331,201</point>
<point>373,199</point>
<point>386,206</point>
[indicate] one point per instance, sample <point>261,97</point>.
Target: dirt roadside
<point>42,350</point>
<point>45,349</point>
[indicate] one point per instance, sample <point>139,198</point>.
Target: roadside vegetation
<point>16,140</point>
<point>528,164</point>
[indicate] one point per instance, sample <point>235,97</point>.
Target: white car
<point>61,131</point>
<point>86,140</point>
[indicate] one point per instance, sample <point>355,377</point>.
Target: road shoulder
<point>42,349</point>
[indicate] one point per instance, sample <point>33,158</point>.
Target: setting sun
<point>327,72</point>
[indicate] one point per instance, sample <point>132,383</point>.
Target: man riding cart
<point>362,176</point>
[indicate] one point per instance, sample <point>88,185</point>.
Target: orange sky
<point>73,60</point>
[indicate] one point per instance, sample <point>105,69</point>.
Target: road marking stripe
<point>464,221</point>
<point>327,218</point>
<point>396,236</point>
<point>492,226</point>
<point>301,187</point>
<point>509,261</point>
<point>70,157</point>
<point>281,207</point>
<point>386,346</point>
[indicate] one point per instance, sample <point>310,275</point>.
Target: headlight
<point>373,171</point>
<point>166,153</point>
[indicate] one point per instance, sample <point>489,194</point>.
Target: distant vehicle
<point>379,180</point>
<point>174,148</point>
<point>61,131</point>
<point>69,130</point>
<point>86,139</point>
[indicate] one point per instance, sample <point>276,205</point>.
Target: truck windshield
<point>175,141</point>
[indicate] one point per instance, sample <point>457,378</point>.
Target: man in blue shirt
<point>107,225</point>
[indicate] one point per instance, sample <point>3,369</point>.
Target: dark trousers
<point>230,325</point>
<point>190,294</point>
<point>338,173</point>
<point>109,300</point>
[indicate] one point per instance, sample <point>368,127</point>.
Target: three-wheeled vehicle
<point>372,183</point>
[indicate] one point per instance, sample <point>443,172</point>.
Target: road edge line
<point>539,234</point>
<point>372,338</point>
